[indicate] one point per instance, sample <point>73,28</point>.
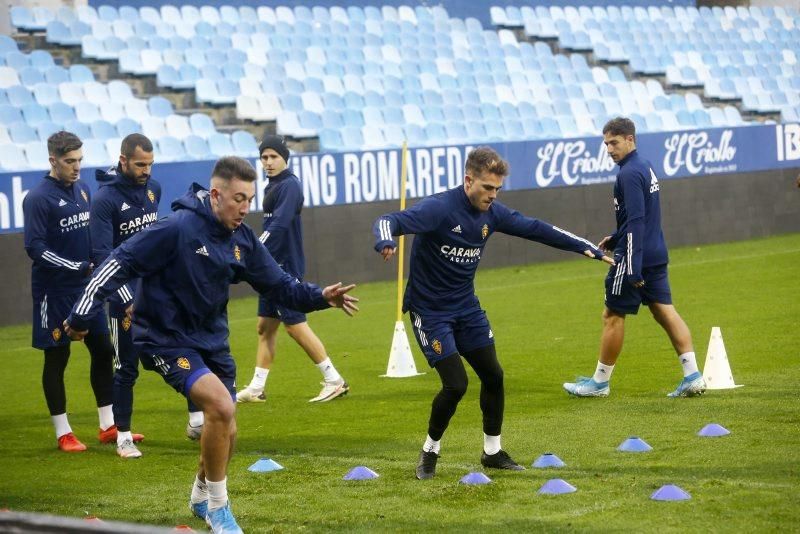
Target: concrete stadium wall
<point>338,239</point>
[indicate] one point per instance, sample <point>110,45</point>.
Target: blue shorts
<point>440,335</point>
<point>281,313</point>
<point>48,320</point>
<point>623,298</point>
<point>181,368</point>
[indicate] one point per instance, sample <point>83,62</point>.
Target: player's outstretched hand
<point>74,335</point>
<point>337,296</point>
<point>605,258</point>
<point>603,245</point>
<point>388,252</point>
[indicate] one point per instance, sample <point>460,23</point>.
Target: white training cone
<point>401,361</point>
<point>717,370</point>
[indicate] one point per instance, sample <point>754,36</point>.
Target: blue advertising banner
<point>353,177</point>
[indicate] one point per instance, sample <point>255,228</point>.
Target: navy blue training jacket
<point>186,262</point>
<point>449,241</point>
<point>57,236</point>
<point>120,209</point>
<point>638,240</point>
<point>283,227</point>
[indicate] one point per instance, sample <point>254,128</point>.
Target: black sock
<point>454,385</point>
<point>101,371</point>
<point>484,362</point>
<point>55,362</point>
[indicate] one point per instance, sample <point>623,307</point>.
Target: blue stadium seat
<point>60,112</point>
<point>13,157</point>
<point>127,126</point>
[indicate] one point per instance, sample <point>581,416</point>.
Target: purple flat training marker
<point>713,430</point>
<point>475,478</point>
<point>634,444</point>
<point>557,486</point>
<point>360,473</point>
<point>548,459</point>
<point>670,492</point>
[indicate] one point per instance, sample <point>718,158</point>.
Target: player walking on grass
<point>186,263</point>
<point>126,203</point>
<point>640,273</point>
<point>283,237</point>
<point>451,231</point>
<point>56,215</point>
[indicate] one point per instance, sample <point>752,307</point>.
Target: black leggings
<point>454,384</point>
<point>101,373</point>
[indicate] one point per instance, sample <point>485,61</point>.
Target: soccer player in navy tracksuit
<point>640,273</point>
<point>186,263</point>
<point>57,240</point>
<point>451,231</point>
<point>125,203</point>
<point>283,237</point>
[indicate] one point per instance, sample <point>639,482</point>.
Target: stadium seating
<point>369,77</point>
<point>729,53</point>
<point>40,97</point>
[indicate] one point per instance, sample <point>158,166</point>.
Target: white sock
<point>603,372</point>
<point>259,380</point>
<point>106,417</point>
<point>432,445</point>
<point>196,419</point>
<point>199,491</point>
<point>689,363</point>
<point>491,444</point>
<point>329,372</point>
<point>61,424</point>
<point>122,436</point>
<point>217,493</point>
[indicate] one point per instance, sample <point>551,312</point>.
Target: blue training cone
<point>475,478</point>
<point>360,473</point>
<point>634,444</point>
<point>548,459</point>
<point>670,492</point>
<point>557,486</point>
<point>713,430</point>
<point>264,465</point>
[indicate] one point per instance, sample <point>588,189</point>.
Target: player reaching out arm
<point>451,230</point>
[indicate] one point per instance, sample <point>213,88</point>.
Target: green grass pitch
<point>546,319</point>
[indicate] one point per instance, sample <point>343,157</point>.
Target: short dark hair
<point>620,126</point>
<point>62,142</point>
<point>484,159</point>
<point>132,141</point>
<point>230,167</point>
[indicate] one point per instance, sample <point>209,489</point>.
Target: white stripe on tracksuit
<point>61,262</point>
<point>114,322</point>
<point>263,237</point>
<point>619,276</point>
<point>423,339</point>
<point>573,236</point>
<point>97,282</point>
<point>125,293</point>
<point>43,312</point>
<point>386,230</point>
<point>629,253</point>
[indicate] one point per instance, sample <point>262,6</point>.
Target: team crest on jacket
<point>56,334</point>
<point>437,346</point>
<point>126,324</point>
<point>151,196</point>
<point>237,253</point>
<point>183,363</point>
<point>485,231</point>
<point>85,196</point>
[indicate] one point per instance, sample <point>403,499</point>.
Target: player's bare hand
<point>129,312</point>
<point>388,252</point>
<point>590,254</point>
<point>74,335</point>
<point>603,245</point>
<point>336,295</point>
<point>640,283</point>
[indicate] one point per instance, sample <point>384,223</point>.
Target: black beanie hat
<point>276,143</point>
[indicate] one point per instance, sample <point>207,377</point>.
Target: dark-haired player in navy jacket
<point>640,273</point>
<point>126,202</point>
<point>186,263</point>
<point>57,240</point>
<point>283,237</point>
<point>451,230</point>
